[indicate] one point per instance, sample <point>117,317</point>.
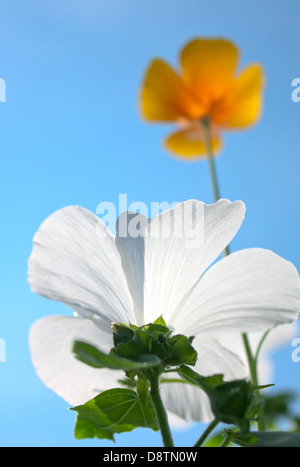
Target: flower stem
<point>160,411</point>
<point>211,159</point>
<point>252,361</point>
<point>250,358</point>
<point>206,433</point>
<point>212,166</point>
<point>261,343</point>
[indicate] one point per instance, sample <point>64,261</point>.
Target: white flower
<point>103,278</point>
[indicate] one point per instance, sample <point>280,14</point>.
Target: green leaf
<point>88,354</point>
<point>269,439</point>
<point>277,406</point>
<point>114,411</point>
<point>296,423</point>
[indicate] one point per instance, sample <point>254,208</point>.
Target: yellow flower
<point>207,89</point>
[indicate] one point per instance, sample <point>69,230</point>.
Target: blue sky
<point>71,133</point>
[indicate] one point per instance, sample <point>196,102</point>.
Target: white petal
<point>213,358</point>
<point>131,245</point>
<point>250,290</point>
<point>180,245</point>
<point>51,341</point>
<point>191,403</point>
<point>75,261</point>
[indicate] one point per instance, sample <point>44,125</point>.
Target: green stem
<point>211,158</point>
<point>261,343</point>
<point>261,420</point>
<point>212,166</point>
<point>250,358</point>
<point>252,361</point>
<point>206,433</point>
<point>160,411</point>
<point>226,441</point>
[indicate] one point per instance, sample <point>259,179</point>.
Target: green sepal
<point>207,383</point>
<point>180,351</point>
<point>121,333</point>
<point>140,343</point>
<point>91,356</point>
<point>160,321</point>
<point>259,388</point>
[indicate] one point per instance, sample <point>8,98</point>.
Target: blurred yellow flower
<point>207,89</point>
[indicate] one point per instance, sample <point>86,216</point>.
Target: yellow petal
<point>164,96</point>
<point>190,144</point>
<point>247,98</point>
<point>208,66</point>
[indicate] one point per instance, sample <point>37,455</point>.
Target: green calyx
<point>236,402</point>
<point>154,339</point>
<point>140,351</point>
